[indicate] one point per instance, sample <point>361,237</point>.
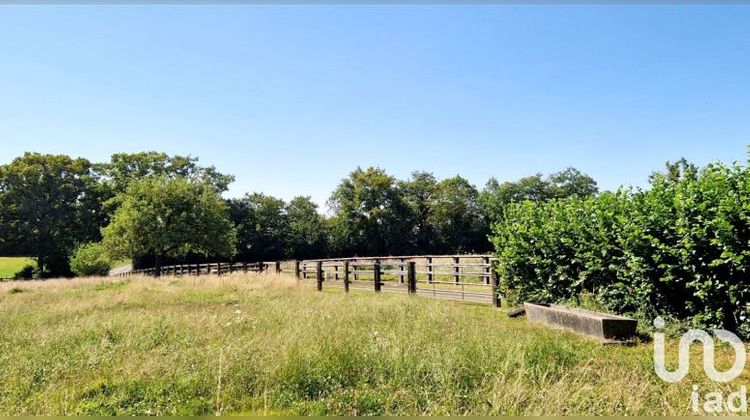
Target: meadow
<point>264,344</point>
<point>11,265</point>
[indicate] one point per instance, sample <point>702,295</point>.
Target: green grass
<point>265,345</point>
<point>121,262</point>
<point>11,265</point>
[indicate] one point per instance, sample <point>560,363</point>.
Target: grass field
<point>262,344</point>
<point>11,265</point>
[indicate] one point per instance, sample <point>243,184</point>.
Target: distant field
<point>120,262</point>
<point>11,265</point>
<point>264,344</point>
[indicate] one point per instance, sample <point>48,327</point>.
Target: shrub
<point>26,273</point>
<point>678,249</point>
<point>90,260</point>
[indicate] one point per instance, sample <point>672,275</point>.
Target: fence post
<point>296,268</point>
<point>260,267</point>
<point>429,269</point>
<point>401,270</point>
<point>456,277</point>
<point>412,276</point>
<point>319,274</point>
<point>487,270</point>
<point>495,289</point>
<point>346,276</point>
<point>376,274</point>
<point>278,266</point>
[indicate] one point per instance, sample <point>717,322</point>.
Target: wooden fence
<point>467,278</point>
<point>206,269</point>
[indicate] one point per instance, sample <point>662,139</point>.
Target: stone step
<point>605,327</point>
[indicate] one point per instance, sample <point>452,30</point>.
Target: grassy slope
<point>263,344</point>
<point>11,265</point>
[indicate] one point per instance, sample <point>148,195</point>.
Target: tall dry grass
<point>262,344</point>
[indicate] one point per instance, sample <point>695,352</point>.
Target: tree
<point>262,226</point>
<point>307,230</point>
<point>571,182</point>
<point>675,172</point>
<point>419,195</point>
<point>455,215</point>
<point>370,216</point>
<point>174,217</point>
<point>124,168</point>
<point>5,248</point>
<point>46,199</point>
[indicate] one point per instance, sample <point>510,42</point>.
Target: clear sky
<point>291,99</point>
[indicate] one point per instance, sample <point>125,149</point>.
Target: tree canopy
<point>569,182</point>
<point>163,217</point>
<point>47,201</point>
<point>124,168</point>
<point>370,214</point>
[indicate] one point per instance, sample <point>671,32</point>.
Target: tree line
<point>74,215</point>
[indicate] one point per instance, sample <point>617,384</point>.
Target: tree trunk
<point>157,265</point>
<point>40,264</point>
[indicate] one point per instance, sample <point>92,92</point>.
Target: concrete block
<point>605,327</point>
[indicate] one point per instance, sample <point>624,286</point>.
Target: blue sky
<point>291,99</point>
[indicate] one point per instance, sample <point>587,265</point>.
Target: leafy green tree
<point>174,217</point>
<point>370,216</point>
<point>262,227</point>
<point>307,230</point>
<point>90,260</point>
<point>571,182</point>
<point>496,196</point>
<point>5,246</point>
<point>46,202</point>
<point>456,217</point>
<point>124,168</point>
<point>419,195</point>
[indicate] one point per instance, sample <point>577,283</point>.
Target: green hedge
<point>679,249</point>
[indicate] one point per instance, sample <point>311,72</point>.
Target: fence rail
<point>467,278</point>
<point>205,269</point>
<point>456,277</point>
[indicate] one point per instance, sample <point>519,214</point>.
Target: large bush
<point>678,249</point>
<point>90,260</point>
